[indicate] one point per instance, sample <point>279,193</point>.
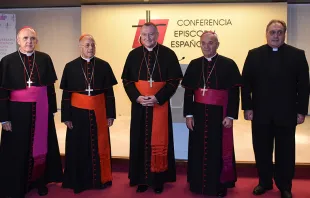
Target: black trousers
<point>264,137</point>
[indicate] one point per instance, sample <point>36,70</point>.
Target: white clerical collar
<point>275,49</point>
<point>210,58</point>
<point>27,53</point>
<point>150,49</point>
<point>87,59</point>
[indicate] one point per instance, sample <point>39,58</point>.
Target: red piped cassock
<point>29,155</point>
<point>211,160</point>
<point>151,139</point>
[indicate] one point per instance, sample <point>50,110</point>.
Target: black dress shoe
<point>286,194</point>
<point>259,190</point>
<point>159,189</point>
<point>107,184</point>
<point>230,185</point>
<point>142,188</point>
<point>42,190</point>
<point>222,192</point>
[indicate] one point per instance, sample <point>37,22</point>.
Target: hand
<point>69,124</point>
<point>147,100</point>
<point>300,118</point>
<point>110,121</point>
<point>7,126</point>
<point>152,100</point>
<point>227,122</point>
<point>190,123</point>
<point>142,100</point>
<point>248,114</point>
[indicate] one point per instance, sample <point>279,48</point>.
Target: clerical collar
<point>276,49</point>
<point>27,53</point>
<point>87,59</point>
<point>151,49</point>
<point>210,58</point>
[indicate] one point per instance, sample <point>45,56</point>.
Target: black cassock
<point>16,162</point>
<point>82,169</point>
<point>276,88</point>
<point>205,142</point>
<point>167,69</point>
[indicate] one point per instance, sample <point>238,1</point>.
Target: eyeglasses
<point>278,33</point>
<point>89,45</point>
<point>31,38</point>
<point>148,35</point>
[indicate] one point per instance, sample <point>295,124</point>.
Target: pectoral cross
<point>204,90</point>
<point>29,83</point>
<point>89,89</point>
<point>151,82</point>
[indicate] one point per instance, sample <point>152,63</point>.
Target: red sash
<point>97,103</point>
<point>159,139</point>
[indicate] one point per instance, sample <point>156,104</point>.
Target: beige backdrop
<point>112,28</point>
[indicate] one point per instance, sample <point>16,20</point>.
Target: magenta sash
<point>39,149</point>
<point>220,98</point>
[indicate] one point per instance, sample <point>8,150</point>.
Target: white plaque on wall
<point>7,34</point>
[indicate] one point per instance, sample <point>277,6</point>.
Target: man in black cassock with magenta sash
<point>29,152</point>
<point>151,76</point>
<point>275,97</point>
<point>211,103</point>
<point>88,110</point>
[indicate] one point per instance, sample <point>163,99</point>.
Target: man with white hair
<point>29,152</point>
<point>211,103</point>
<point>88,110</point>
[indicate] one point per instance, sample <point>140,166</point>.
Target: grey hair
<point>276,21</point>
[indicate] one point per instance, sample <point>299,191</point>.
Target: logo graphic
<point>3,17</point>
<point>161,24</point>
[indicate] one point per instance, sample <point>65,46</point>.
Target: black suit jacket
<point>276,84</point>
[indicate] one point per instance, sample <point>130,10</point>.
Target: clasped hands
<point>147,101</point>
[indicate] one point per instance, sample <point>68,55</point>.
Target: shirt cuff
<point>189,116</point>
<point>4,122</point>
<point>230,118</point>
